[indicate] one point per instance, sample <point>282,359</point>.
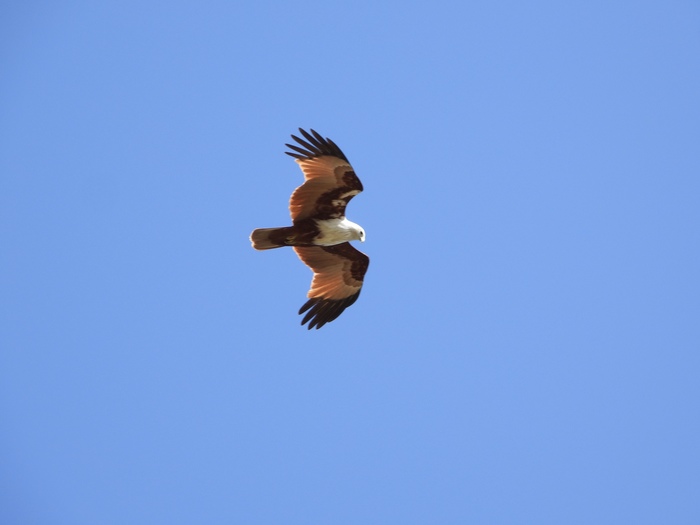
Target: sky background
<point>526,348</point>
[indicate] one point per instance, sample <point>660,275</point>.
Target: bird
<point>320,233</point>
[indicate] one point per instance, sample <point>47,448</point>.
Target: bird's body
<point>335,231</point>
<point>308,232</point>
<point>320,232</point>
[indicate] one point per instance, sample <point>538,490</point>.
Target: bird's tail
<point>269,238</point>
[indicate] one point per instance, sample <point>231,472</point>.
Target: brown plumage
<point>320,232</point>
<point>338,275</point>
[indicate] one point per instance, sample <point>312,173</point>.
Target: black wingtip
<point>320,311</point>
<point>314,145</point>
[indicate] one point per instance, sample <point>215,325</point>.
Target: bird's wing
<point>330,181</point>
<point>338,275</point>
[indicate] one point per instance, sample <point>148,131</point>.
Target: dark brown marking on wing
<point>331,205</point>
<point>322,310</point>
<point>330,181</point>
<point>360,262</point>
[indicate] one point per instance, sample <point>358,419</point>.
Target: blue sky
<point>525,349</point>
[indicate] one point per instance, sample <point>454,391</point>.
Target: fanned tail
<point>269,238</point>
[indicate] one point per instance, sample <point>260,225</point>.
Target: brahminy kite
<point>320,232</point>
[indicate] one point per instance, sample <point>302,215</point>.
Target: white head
<point>358,234</point>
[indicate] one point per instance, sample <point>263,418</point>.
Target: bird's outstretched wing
<point>339,272</point>
<point>330,181</point>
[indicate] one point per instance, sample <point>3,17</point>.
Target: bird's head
<point>355,231</point>
<point>358,233</point>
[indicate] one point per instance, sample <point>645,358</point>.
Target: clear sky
<point>526,348</point>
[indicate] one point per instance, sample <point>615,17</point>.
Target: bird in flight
<point>320,233</point>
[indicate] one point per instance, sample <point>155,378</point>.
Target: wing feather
<point>297,148</point>
<point>329,179</point>
<point>339,273</point>
<point>315,140</point>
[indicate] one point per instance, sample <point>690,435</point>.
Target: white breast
<point>336,231</point>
